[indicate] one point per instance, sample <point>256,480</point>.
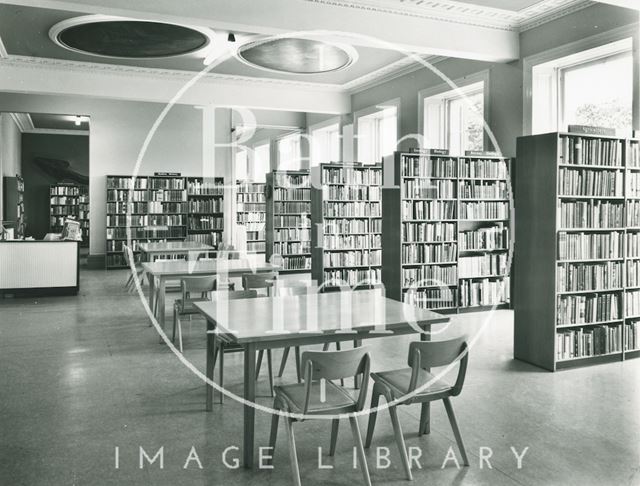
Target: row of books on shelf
<point>291,234</point>
<point>590,246</point>
<point>587,342</point>
<point>579,277</point>
<point>213,238</point>
<point>482,265</point>
<point>633,184</point>
<point>428,210</point>
<point>254,233</point>
<point>291,207</point>
<point>451,167</point>
<point>595,183</point>
<point>589,308</point>
<point>205,205</point>
<point>428,232</point>
<point>632,244</point>
<point>142,233</point>
<point>484,210</point>
<point>146,220</point>
<point>484,292</point>
<point>114,195</point>
<point>298,262</point>
<point>633,214</point>
<point>291,194</point>
<point>250,207</point>
<point>292,248</point>
<point>251,188</point>
<point>153,207</point>
<point>430,276</point>
<point>632,336</point>
<point>591,214</point>
<point>358,193</point>
<point>352,226</point>
<point>290,181</point>
<point>632,303</point>
<point>256,246</point>
<point>201,223</point>
<point>64,210</point>
<point>70,200</point>
<point>250,198</point>
<point>347,241</point>
<point>206,187</point>
<point>292,221</point>
<point>144,182</point>
<point>633,273</point>
<point>251,218</point>
<point>368,176</point>
<point>577,150</point>
<point>418,253</point>
<point>633,158</point>
<point>66,190</point>
<point>352,277</point>
<point>440,298</point>
<point>352,258</point>
<point>483,190</point>
<point>490,238</point>
<point>371,209</point>
<point>429,189</point>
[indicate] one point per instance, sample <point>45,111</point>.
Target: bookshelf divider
<point>251,213</point>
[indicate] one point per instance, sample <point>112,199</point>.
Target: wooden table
<point>321,318</point>
<point>187,248</point>
<point>159,272</point>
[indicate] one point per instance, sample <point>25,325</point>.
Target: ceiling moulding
<point>90,68</point>
<point>394,70</point>
<point>58,131</point>
<point>469,14</point>
<point>23,121</point>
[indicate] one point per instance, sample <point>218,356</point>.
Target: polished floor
<point>82,376</point>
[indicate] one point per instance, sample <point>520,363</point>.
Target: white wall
<point>10,154</point>
<point>118,132</point>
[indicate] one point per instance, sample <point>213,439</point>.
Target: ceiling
<point>513,5</point>
<point>43,121</point>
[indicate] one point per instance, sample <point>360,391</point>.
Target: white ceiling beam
<point>363,26</point>
<point>43,76</point>
<point>632,4</point>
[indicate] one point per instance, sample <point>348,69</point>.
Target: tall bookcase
<point>14,204</point>
<point>577,293</point>
<point>69,200</point>
<point>251,213</point>
<point>446,230</point>
<point>346,224</point>
<point>288,206</point>
<point>158,212</point>
<point>205,212</point>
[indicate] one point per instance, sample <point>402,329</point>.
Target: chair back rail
<point>429,354</point>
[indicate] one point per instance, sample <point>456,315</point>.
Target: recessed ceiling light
<point>125,38</point>
<point>297,55</point>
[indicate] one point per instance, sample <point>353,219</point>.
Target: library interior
<point>224,220</point>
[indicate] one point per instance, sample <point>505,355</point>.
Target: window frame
<point>367,112</point>
<point>320,127</point>
<point>279,140</point>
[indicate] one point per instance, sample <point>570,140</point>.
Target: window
<point>289,156</point>
<point>325,144</point>
<point>241,161</point>
<point>454,119</point>
<point>377,134</point>
<point>261,163</point>
<point>592,87</point>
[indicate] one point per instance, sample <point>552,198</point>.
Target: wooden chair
<point>130,284</point>
<point>221,344</point>
<point>225,284</point>
<point>396,384</point>
<point>201,288</point>
<point>261,281</point>
<point>319,397</point>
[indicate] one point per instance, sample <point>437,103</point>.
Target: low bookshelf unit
<point>577,264</point>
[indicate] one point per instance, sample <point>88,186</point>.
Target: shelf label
<point>429,151</point>
<point>481,153</point>
<point>167,174</point>
<point>589,130</point>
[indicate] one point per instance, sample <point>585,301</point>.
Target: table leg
<point>152,290</point>
<point>161,304</point>
<point>250,397</point>
<point>425,412</point>
<point>211,342</point>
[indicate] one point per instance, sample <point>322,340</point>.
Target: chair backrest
<point>197,285</point>
<point>428,354</point>
<point>240,294</point>
<point>125,254</point>
<point>258,280</point>
<point>334,365</point>
<point>293,287</point>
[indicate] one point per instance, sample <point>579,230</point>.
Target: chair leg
<point>259,362</point>
<point>356,382</point>
<point>424,427</point>
<point>373,414</point>
<point>295,470</point>
<point>270,366</point>
<point>298,371</point>
<point>357,438</point>
<point>325,347</point>
<point>456,431</point>
<point>127,285</point>
<point>180,334</point>
<point>335,424</point>
<point>397,430</point>
<point>175,318</point>
<point>274,432</point>
<point>283,361</point>
<point>221,353</point>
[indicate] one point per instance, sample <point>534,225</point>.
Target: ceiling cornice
<point>469,14</point>
<point>58,131</point>
<point>23,121</point>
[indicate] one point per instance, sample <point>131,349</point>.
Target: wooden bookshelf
<point>157,212</point>
<point>288,220</point>
<point>14,205</point>
<point>346,225</point>
<point>576,291</point>
<point>446,227</point>
<point>205,211</point>
<point>69,200</point>
<point>251,213</point>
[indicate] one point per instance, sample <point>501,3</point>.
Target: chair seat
<point>335,398</point>
<point>398,382</point>
<point>188,307</point>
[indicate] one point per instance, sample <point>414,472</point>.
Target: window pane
<point>600,93</point>
<point>241,165</point>
<point>261,162</point>
<point>289,153</point>
<point>474,122</point>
